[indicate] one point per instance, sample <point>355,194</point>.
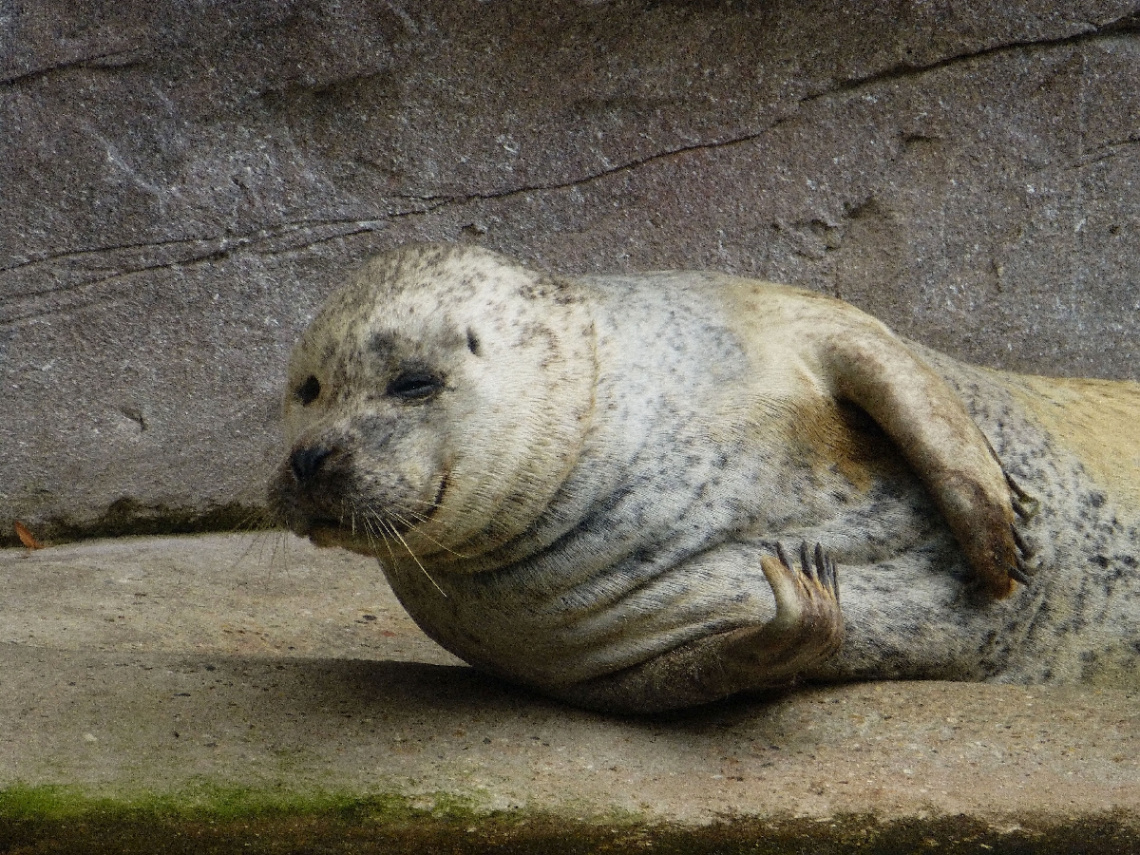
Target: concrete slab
<point>163,668</point>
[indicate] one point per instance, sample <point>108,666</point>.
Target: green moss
<point>21,803</point>
<point>207,818</point>
<point>198,801</point>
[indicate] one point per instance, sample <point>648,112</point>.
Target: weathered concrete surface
<point>153,665</point>
<point>182,183</point>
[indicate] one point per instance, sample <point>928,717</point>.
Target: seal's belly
<point>521,623</point>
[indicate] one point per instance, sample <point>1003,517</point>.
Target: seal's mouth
<point>437,502</point>
<point>331,531</point>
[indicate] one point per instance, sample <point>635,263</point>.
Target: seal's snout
<point>313,490</point>
<point>307,460</point>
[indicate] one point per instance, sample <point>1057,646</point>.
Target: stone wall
<point>182,182</point>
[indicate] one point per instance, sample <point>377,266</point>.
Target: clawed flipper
<point>819,567</point>
<point>1026,508</point>
<point>930,425</point>
<point>806,630</point>
<point>808,626</point>
<point>809,593</point>
<point>994,544</point>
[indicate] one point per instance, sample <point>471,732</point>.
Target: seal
<point>643,492</point>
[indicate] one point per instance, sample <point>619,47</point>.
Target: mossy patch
<point>200,800</point>
<point>208,819</point>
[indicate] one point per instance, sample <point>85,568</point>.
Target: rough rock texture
<point>181,183</point>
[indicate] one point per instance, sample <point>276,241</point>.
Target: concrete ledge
<point>244,685</point>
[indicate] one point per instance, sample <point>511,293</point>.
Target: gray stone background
<point>182,182</point>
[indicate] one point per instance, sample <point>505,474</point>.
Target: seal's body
<point>592,485</point>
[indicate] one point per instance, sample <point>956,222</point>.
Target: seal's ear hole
<point>309,391</point>
<point>472,341</point>
<point>415,385</point>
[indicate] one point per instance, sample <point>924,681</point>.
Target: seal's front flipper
<point>870,367</point>
<point>806,630</point>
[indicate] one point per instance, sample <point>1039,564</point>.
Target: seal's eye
<point>415,385</point>
<point>309,391</point>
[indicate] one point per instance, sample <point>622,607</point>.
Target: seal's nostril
<point>307,460</point>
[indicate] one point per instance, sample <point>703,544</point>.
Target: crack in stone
<point>212,244</point>
<point>1103,152</point>
<point>74,295</point>
<point>1124,25</point>
<point>436,202</point>
<point>77,254</point>
<point>226,246</point>
<point>113,61</point>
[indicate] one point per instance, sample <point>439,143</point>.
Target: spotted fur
<point>591,485</point>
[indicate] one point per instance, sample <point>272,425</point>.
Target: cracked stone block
<point>182,185</point>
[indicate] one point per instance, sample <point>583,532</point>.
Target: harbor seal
<point>643,492</point>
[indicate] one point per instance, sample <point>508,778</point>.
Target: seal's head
<point>437,401</point>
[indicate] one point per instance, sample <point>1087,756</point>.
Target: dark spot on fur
<point>548,288</point>
<point>382,344</point>
<point>642,556</point>
<point>473,342</point>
